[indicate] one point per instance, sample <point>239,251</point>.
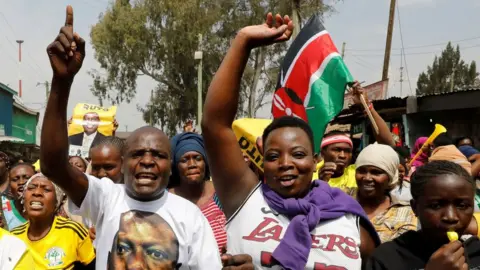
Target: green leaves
<point>158,38</point>
<point>448,66</point>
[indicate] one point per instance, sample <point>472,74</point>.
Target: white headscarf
<point>383,157</point>
<point>60,195</point>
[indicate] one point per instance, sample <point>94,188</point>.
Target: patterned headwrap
<point>59,194</point>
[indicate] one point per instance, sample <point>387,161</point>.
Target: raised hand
<point>357,91</point>
<point>327,171</point>
<point>67,52</point>
<point>274,30</point>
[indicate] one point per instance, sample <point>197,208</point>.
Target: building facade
<point>6,110</point>
<point>24,122</point>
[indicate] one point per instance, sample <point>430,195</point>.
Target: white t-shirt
<point>257,230</point>
<point>168,233</point>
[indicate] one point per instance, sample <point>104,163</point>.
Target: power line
<point>10,56</point>
<point>416,47</point>
<point>403,48</point>
<point>15,48</point>
<point>415,53</point>
<point>363,63</point>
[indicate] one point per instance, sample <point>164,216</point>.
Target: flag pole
<point>369,113</point>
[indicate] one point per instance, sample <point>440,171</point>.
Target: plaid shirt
<point>396,220</point>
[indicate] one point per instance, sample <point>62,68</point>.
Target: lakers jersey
<point>256,229</point>
<point>66,243</point>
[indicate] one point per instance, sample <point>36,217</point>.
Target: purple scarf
<point>322,203</point>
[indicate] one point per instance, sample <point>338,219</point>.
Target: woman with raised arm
<point>287,222</point>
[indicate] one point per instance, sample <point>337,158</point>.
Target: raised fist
<point>67,51</point>
<point>275,29</point>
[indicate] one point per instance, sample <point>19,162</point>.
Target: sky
<point>426,27</point>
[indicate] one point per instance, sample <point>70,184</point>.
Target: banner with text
<point>247,130</point>
<point>374,91</point>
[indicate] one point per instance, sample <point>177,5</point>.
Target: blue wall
<point>6,110</point>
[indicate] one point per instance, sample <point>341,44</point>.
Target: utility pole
<point>343,49</point>
<point>199,56</point>
<point>47,89</point>
<point>401,81</point>
<point>19,67</point>
<point>388,46</point>
<point>401,73</point>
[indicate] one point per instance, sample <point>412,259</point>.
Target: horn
<point>439,129</point>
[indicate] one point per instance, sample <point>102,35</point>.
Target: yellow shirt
<point>26,261</point>
<point>66,243</point>
<point>346,182</point>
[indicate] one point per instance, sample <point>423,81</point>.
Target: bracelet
<point>370,107</point>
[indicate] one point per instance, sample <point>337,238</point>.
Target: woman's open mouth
<point>36,205</point>
<point>287,180</point>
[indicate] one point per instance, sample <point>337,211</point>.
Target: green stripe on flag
<point>326,96</point>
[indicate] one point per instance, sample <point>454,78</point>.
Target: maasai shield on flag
<point>312,79</point>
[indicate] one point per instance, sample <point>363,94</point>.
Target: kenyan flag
<point>312,80</point>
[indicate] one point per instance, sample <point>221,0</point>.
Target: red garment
<point>217,221</point>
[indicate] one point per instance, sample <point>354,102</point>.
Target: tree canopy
<point>438,77</point>
<point>158,39</point>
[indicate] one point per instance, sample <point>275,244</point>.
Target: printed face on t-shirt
<point>147,164</point>
<point>144,241</point>
<point>91,121</point>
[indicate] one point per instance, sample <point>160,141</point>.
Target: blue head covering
<point>183,143</point>
<point>468,150</point>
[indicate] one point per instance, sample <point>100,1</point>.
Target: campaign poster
<point>247,130</point>
<point>90,123</point>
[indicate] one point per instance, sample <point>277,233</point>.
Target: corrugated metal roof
<point>455,90</point>
<point>8,89</point>
<point>17,103</point>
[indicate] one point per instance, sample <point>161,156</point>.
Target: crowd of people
<point>195,201</point>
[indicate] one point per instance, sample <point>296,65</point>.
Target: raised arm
<point>384,136</point>
<point>231,176</point>
<point>66,55</point>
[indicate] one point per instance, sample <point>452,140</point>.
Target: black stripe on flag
<point>312,27</point>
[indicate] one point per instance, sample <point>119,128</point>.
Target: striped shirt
<point>212,211</point>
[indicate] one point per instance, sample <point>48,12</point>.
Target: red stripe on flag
<point>309,62</point>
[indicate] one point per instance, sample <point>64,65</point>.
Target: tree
<point>158,38</point>
<point>438,77</point>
